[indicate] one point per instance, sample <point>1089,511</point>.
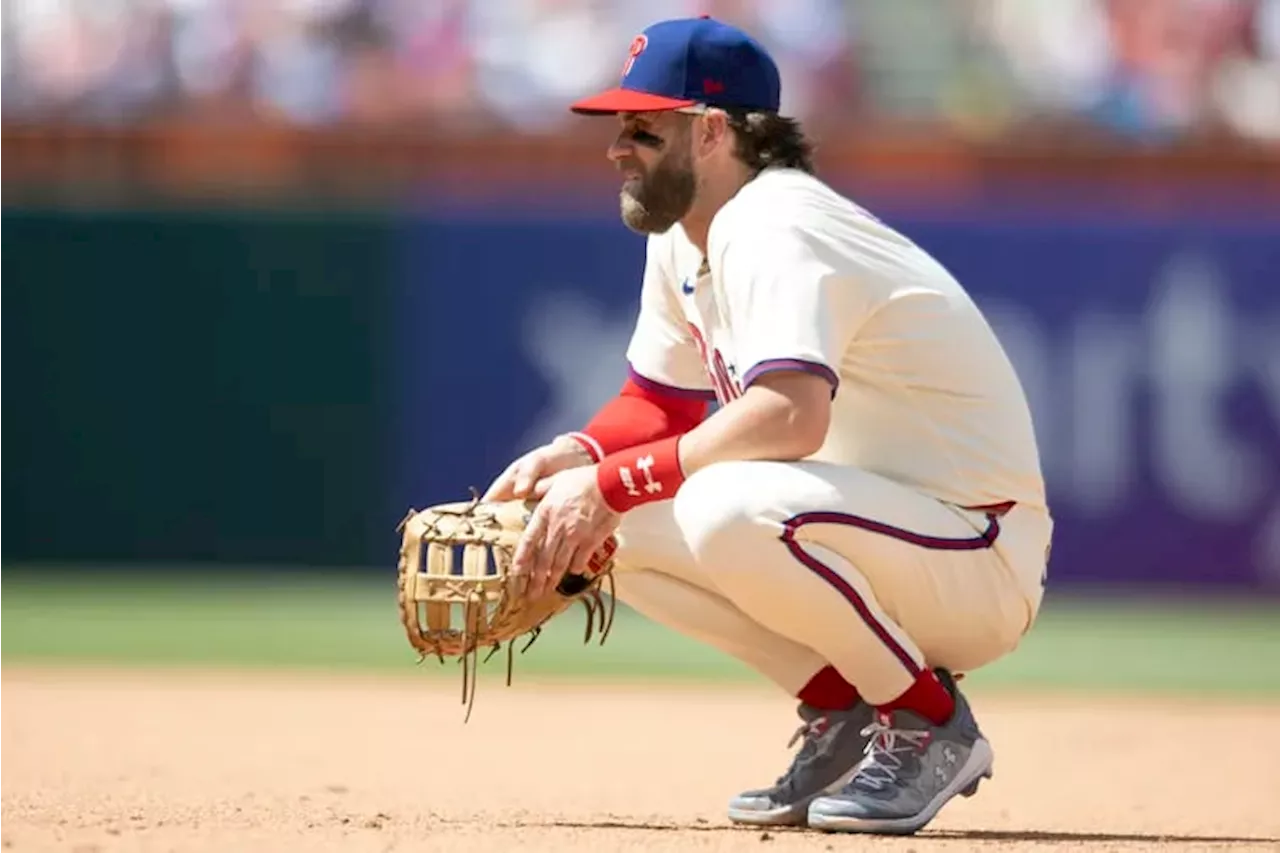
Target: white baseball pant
<point>789,566</point>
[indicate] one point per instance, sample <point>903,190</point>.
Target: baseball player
<point>862,517</point>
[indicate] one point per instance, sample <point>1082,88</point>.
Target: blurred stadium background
<point>280,269</point>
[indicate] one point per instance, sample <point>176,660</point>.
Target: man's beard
<point>652,203</point>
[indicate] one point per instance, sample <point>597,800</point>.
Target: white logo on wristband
<point>628,481</point>
<point>645,464</point>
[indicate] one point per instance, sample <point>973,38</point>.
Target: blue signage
<point>1149,348</point>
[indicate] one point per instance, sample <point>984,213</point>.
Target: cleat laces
<point>884,753</point>
<point>811,732</point>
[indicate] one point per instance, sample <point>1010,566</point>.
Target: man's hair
<point>763,139</point>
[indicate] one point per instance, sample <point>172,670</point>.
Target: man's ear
<point>711,131</point>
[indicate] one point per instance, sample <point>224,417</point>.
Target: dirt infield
<point>99,761</point>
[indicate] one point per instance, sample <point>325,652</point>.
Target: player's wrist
<point>582,445</point>
<point>640,475</point>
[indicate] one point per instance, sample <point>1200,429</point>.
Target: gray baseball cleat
<point>833,745</point>
<point>911,770</point>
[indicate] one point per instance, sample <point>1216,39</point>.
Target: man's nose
<point>620,148</point>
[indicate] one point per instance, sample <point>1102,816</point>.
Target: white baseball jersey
<point>798,276</point>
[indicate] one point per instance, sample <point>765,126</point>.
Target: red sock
<point>828,691</point>
<point>927,697</point>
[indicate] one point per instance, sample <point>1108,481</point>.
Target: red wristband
<point>640,475</point>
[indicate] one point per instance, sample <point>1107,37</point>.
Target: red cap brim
<point>626,101</point>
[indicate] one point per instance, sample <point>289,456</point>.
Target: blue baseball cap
<point>688,61</point>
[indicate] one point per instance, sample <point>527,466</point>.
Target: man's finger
<point>522,562</point>
<point>576,564</point>
<point>543,486</point>
<point>556,552</point>
<point>596,545</point>
<point>542,563</point>
<point>566,558</point>
<point>526,476</point>
<point>500,488</point>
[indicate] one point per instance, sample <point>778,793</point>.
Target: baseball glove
<point>457,594</point>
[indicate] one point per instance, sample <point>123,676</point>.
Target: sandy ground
<point>109,761</point>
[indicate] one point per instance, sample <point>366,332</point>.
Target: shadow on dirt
<point>1024,836</point>
<point>1056,837</point>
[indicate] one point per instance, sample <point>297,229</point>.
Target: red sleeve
<point>639,414</point>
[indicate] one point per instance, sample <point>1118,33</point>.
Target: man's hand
<point>569,524</point>
<point>522,476</point>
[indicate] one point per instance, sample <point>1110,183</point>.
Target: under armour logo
<point>638,44</point>
<point>645,464</point>
<point>628,481</point>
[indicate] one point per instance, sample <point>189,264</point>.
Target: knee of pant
<point>720,515</point>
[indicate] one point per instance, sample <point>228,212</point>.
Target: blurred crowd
<point>1140,69</point>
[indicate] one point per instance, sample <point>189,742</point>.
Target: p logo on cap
<point>638,44</point>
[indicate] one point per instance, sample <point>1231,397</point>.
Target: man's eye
<point>645,138</point>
